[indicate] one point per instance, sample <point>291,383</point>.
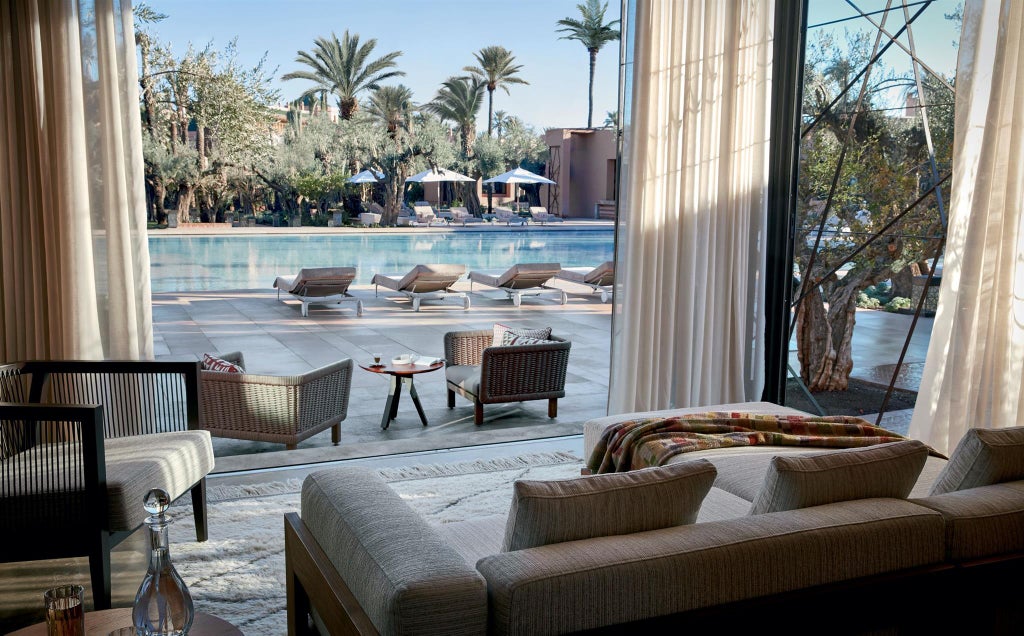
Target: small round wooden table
<point>103,622</point>
<point>401,374</point>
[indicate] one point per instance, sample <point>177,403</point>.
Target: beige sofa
<point>366,563</point>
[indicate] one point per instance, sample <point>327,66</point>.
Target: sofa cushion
<point>582,585</point>
<point>983,457</point>
<point>474,538</point>
<point>545,512</point>
<point>719,505</point>
<point>213,363</point>
<point>500,330</point>
<point>464,376</point>
<point>981,522</point>
<point>814,479</point>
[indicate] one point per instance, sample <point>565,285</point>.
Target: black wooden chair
<point>80,452</point>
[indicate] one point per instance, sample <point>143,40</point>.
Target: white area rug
<point>238,574</point>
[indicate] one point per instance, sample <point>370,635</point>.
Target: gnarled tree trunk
<point>824,338</point>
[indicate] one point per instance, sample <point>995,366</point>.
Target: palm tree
<point>501,122</point>
<point>495,67</point>
<point>594,34</point>
<point>611,119</point>
<point>392,106</point>
<point>458,101</point>
<point>342,68</point>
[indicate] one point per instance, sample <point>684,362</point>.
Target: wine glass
<point>376,359</point>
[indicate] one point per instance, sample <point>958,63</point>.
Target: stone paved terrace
<point>276,339</point>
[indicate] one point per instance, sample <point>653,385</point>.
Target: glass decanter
<point>163,605</point>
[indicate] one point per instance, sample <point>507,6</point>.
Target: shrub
<point>864,301</point>
<point>899,304</point>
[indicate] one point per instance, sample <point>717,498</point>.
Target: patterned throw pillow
<point>213,363</point>
<point>510,338</point>
<point>500,330</point>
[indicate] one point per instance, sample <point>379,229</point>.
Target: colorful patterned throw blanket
<point>635,444</point>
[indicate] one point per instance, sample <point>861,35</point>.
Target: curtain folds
<point>688,323</point>
<point>975,364</point>
<point>74,261</point>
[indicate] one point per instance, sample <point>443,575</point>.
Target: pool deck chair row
<point>523,279</point>
<point>321,286</point>
<point>425,282</point>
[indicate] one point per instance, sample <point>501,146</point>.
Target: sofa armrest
<point>407,579</point>
<point>466,347</point>
<point>580,585</point>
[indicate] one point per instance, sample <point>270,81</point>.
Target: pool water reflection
<point>203,263</point>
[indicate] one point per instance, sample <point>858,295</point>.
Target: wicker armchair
<point>492,375</point>
<point>280,409</point>
<point>82,446</point>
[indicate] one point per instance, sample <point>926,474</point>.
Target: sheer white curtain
<point>688,321</point>
<point>74,262</point>
<point>975,365</point>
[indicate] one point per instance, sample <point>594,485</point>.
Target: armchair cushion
<point>213,363</point>
<point>545,512</point>
<point>500,330</point>
<point>465,376</point>
<point>512,339</point>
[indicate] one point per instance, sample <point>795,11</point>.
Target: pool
<point>203,263</point>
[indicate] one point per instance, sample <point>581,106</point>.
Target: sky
<point>437,39</point>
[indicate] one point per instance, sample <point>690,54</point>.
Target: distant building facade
<point>582,162</point>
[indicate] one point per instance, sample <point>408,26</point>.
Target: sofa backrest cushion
<point>815,479</point>
<point>982,458</point>
<point>545,512</point>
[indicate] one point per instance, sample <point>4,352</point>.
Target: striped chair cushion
<point>213,363</point>
<point>500,330</point>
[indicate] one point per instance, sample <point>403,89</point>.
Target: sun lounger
<point>424,214</point>
<point>522,279</point>
<point>462,215</point>
<point>508,217</point>
<point>540,214</point>
<point>321,286</point>
<point>425,282</point>
<point>599,279</point>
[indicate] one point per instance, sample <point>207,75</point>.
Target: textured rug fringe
<point>402,473</point>
<point>224,493</point>
<point>427,471</point>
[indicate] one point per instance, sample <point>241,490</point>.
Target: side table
<point>103,622</point>
<point>401,374</point>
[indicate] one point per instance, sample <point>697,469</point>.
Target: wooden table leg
<point>391,406</point>
<point>416,400</point>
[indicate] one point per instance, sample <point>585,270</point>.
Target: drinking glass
<point>65,610</point>
<point>376,358</point>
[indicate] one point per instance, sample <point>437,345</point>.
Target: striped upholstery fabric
<point>983,457</point>
<point>981,522</point>
<point>171,461</point>
<point>545,512</point>
<point>500,330</point>
<point>474,538</point>
<point>406,578</point>
<point>609,580</point>
<point>720,505</point>
<point>814,479</point>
